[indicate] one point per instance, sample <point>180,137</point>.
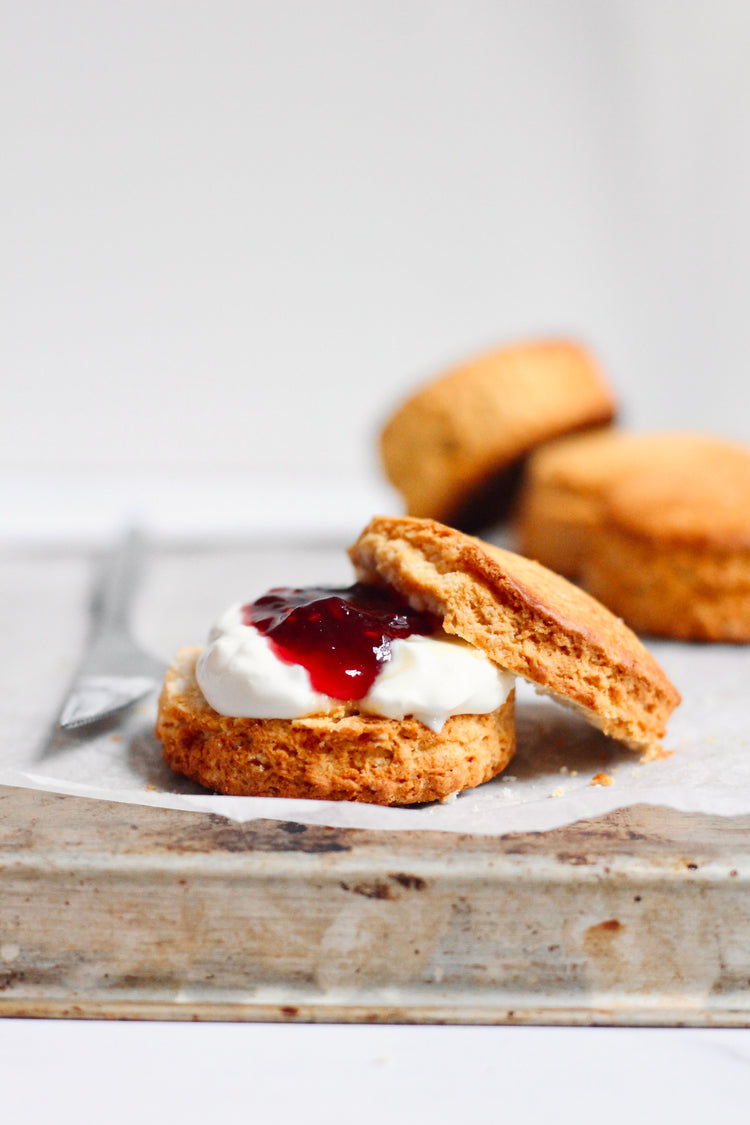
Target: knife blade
<point>115,671</point>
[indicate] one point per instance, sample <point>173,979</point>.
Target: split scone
<point>399,689</point>
<point>454,448</point>
<point>657,526</point>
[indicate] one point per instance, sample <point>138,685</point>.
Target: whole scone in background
<point>453,448</point>
<point>656,526</point>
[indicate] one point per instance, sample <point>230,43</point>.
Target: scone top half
<point>527,619</point>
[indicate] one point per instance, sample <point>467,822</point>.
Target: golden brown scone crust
<point>657,526</point>
<point>561,495</point>
<point>525,618</point>
<point>567,482</point>
<point>446,444</point>
<point>342,757</point>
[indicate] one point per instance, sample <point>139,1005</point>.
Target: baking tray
<point>112,910</point>
<point>118,911</point>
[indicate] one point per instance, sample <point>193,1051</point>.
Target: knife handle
<point>113,590</point>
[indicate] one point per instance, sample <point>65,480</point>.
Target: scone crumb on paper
<point>602,779</point>
<point>559,792</point>
<point>656,754</point>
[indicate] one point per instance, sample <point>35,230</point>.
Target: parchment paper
<point>706,767</point>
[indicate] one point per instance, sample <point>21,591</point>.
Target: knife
<point>115,672</point>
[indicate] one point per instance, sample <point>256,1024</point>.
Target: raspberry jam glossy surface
<point>342,636</point>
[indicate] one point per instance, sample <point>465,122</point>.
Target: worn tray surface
<point>119,911</point>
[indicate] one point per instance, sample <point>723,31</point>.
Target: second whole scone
<point>454,448</point>
<point>655,525</point>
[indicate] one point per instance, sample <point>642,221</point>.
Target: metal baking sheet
<point>119,911</point>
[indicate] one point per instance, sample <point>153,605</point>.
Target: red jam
<point>342,636</point>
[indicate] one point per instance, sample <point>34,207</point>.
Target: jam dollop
<point>341,635</point>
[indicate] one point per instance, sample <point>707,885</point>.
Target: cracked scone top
<point>526,619</point>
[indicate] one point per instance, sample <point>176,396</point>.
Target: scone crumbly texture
<point>527,619</point>
<point>451,439</point>
<point>345,756</point>
<point>657,526</point>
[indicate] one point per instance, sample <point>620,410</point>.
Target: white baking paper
<point>548,784</point>
<point>706,767</point>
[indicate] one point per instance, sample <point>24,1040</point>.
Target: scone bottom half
<point>344,756</point>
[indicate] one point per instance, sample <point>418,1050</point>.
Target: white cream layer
<point>430,678</point>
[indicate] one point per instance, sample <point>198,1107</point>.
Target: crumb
<point>656,754</point>
<point>574,773</point>
<point>563,769</point>
<point>152,788</point>
<point>559,792</point>
<point>602,779</point>
<point>115,738</point>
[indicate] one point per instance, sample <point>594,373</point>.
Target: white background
<point>232,1074</point>
<point>235,234</point>
<point>232,236</point>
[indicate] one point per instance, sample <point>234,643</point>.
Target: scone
<point>657,526</point>
<point>336,694</point>
<point>454,448</point>
<point>566,483</point>
<point>343,756</point>
<point>527,619</point>
<point>296,696</point>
